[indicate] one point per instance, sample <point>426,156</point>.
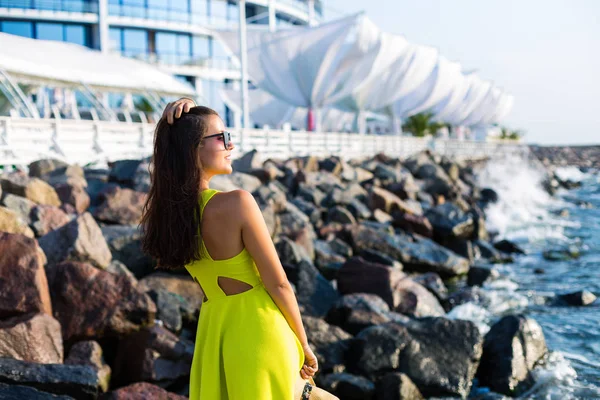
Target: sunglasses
<point>226,138</point>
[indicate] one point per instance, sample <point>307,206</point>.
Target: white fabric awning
<point>68,63</point>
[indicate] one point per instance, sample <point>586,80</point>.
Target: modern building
<point>172,34</point>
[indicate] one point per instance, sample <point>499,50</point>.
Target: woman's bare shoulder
<point>242,201</point>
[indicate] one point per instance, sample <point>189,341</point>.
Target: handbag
<point>305,389</point>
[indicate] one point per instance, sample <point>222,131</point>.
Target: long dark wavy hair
<point>171,213</point>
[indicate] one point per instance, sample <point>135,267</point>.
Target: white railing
<point>77,141</point>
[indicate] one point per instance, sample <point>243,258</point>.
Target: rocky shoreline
<point>379,251</point>
<point>580,156</point>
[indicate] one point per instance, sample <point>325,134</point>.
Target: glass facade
<point>82,6</point>
<point>73,33</point>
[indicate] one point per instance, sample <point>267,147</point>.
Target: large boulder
<point>39,168</point>
<point>387,201</point>
<point>439,355</point>
<point>32,337</point>
<point>24,283</point>
<point>397,386</point>
<point>357,311</point>
<point>512,348</point>
<point>74,195</point>
<point>79,240</point>
<point>449,221</point>
<point>33,189</point>
<point>19,205</point>
<point>78,381</point>
<point>182,286</point>
<point>18,392</point>
<point>91,303</point>
<point>348,386</point>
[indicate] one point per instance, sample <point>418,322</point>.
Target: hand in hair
<point>176,108</point>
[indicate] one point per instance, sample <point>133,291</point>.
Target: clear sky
<point>544,52</point>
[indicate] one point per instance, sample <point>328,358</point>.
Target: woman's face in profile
<point>213,155</point>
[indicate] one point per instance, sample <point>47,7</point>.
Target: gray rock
<point>20,205</point>
<point>18,392</point>
<point>79,240</point>
<point>78,381</point>
<point>357,311</point>
<point>512,348</point>
<point>479,276</point>
<point>33,338</point>
<point>580,298</point>
<point>329,342</point>
<point>433,283</point>
<point>125,246</point>
<point>450,221</point>
<point>439,355</point>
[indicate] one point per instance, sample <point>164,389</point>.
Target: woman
<point>250,342</point>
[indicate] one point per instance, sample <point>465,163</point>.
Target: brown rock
<point>39,168</point>
<point>360,276</point>
<point>415,300</point>
<point>45,219</point>
<point>121,206</point>
<point>413,223</point>
<point>141,390</point>
<point>91,303</point>
<point>33,338</point>
<point>24,285</point>
<point>74,195</point>
<point>10,222</point>
<point>79,240</point>
<point>34,189</point>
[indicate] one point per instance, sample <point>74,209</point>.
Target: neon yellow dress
<point>245,349</point>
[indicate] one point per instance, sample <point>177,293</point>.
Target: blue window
<point>201,47</point>
<point>77,34</point>
<point>233,11</point>
<point>18,28</point>
<point>135,42</point>
<point>116,42</point>
<point>165,47</point>
<point>49,31</point>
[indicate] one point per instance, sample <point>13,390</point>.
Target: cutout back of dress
<point>220,279</point>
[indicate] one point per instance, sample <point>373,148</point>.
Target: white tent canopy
<point>72,64</point>
<point>349,64</point>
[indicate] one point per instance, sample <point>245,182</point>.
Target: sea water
<point>527,215</point>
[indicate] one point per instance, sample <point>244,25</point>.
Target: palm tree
<point>421,124</point>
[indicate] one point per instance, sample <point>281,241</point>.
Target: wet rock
<point>562,254</point>
<point>152,354</point>
<point>580,298</point>
<point>508,247</point>
<point>397,386</point>
<point>91,303</point>
<point>32,337</point>
<point>416,253</point>
<point>329,343</point>
<point>490,253</point>
<point>90,353</point>
<point>432,282</point>
<point>512,348</point>
<point>33,189</point>
<point>78,381</point>
<point>479,276</point>
<point>24,283</point>
<point>488,196</point>
<point>79,240</point>
<point>462,296</point>
<point>141,390</point>
<point>449,221</point>
<point>125,245</point>
<point>348,386</point>
<point>439,355</point>
<point>45,219</point>
<point>10,222</point>
<point>121,206</point>
<point>73,195</point>
<point>539,271</point>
